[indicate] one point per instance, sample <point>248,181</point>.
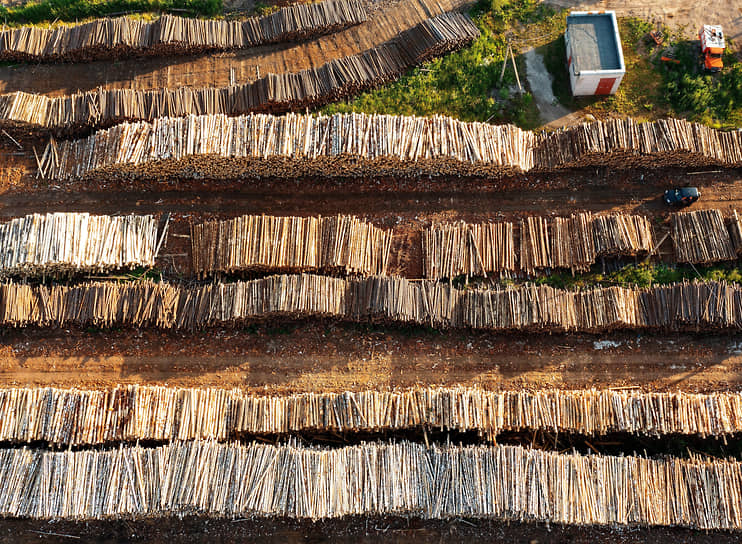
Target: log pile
<point>72,417</point>
<point>735,232</point>
<point>359,145</point>
<point>686,306</point>
<point>261,243</point>
<point>58,243</point>
<point>451,250</point>
<point>626,143</point>
<point>374,479</point>
<point>169,35</point>
<point>544,244</point>
<point>701,237</point>
<point>346,145</point>
<point>274,93</point>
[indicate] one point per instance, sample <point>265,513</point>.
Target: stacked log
<point>169,35</point>
<point>275,93</point>
<point>59,243</point>
<point>701,237</point>
<point>346,145</point>
<point>260,243</point>
<point>373,479</point>
<point>451,250</point>
<point>296,145</point>
<point>626,143</point>
<point>544,244</point>
<point>687,306</point>
<point>735,232</point>
<point>73,417</point>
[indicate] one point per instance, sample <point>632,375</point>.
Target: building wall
<point>587,83</point>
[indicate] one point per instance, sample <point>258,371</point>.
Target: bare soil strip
<point>324,358</point>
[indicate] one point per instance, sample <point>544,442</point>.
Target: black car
<point>684,196</point>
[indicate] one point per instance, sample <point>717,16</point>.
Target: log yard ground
<point>321,272</point>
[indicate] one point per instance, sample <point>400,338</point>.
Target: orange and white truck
<point>712,47</point>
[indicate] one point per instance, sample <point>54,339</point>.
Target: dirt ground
<point>678,14</point>
<point>326,356</point>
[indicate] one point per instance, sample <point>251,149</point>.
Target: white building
<point>594,55</point>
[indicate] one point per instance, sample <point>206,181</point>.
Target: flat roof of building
<point>593,42</point>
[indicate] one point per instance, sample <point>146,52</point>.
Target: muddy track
<point>559,193</point>
<point>214,70</point>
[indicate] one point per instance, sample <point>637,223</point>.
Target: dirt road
<point>335,357</point>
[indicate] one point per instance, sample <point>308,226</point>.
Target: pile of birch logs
<point>701,237</point>
<point>276,93</point>
<point>169,35</point>
<point>297,145</point>
<point>58,243</point>
<point>625,143</point>
<point>735,232</point>
<point>290,244</point>
<point>73,417</point>
<point>686,306</point>
<point>373,479</point>
<point>342,144</point>
<point>574,242</point>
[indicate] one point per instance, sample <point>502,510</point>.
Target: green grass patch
<point>48,11</point>
<point>643,275</point>
<point>465,84</point>
<point>712,99</point>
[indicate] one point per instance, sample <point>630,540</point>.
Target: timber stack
<point>62,243</point>
<point>348,145</point>
<point>625,143</point>
<point>686,306</point>
<point>273,93</point>
<point>545,244</point>
<point>260,243</point>
<point>735,232</point>
<point>701,237</point>
<point>451,250</point>
<point>73,417</point>
<point>359,145</point>
<point>170,35</point>
<point>373,479</point>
